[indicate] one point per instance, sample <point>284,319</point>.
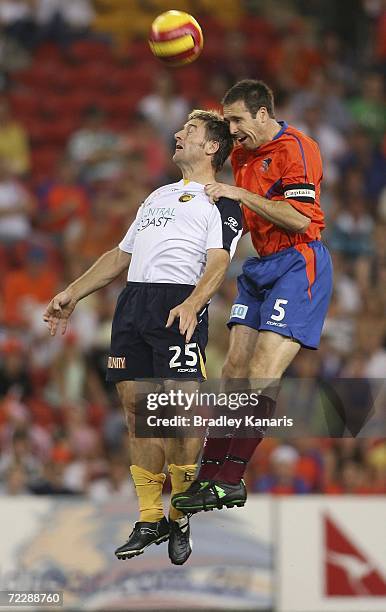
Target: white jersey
<point>174,228</point>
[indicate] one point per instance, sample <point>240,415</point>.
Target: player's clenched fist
<point>59,309</point>
<point>220,190</point>
<point>188,319</point>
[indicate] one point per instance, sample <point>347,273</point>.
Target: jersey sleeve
<point>301,174</point>
<point>127,242</point>
<point>225,226</point>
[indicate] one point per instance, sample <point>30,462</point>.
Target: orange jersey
<point>289,168</point>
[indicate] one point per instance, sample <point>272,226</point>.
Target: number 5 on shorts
<point>279,309</point>
<point>190,355</point>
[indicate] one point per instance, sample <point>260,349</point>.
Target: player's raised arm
<point>281,213</point>
<point>100,274</point>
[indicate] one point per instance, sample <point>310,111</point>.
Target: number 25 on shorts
<point>191,357</point>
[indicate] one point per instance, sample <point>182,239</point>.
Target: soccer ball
<point>176,38</point>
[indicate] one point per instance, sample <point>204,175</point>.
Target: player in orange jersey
<point>283,292</point>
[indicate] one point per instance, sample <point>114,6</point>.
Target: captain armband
<point>301,192</point>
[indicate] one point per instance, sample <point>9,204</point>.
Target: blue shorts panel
<point>287,293</point>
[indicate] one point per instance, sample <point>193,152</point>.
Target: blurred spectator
<point>51,481</point>
<point>147,155</point>
<point>352,232</point>
<point>282,477</point>
<point>165,110</point>
<point>210,98</point>
<point>294,58</point>
<point>369,161</point>
<point>65,206</point>
<point>68,373</point>
<point>34,283</point>
<point>328,96</point>
<point>13,141</point>
<point>20,455</point>
<point>368,108</point>
<point>94,148</point>
<point>15,481</point>
<point>16,207</point>
<point>12,56</point>
<point>114,484</point>
<point>15,376</point>
<point>64,21</point>
<point>17,18</point>
<point>332,144</point>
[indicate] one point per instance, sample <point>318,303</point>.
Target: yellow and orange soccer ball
<point>176,38</point>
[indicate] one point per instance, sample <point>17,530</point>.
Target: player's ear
<point>263,114</point>
<point>212,146</point>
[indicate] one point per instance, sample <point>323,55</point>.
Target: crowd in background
<point>87,118</point>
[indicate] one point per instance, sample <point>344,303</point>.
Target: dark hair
<point>254,94</point>
<point>217,129</point>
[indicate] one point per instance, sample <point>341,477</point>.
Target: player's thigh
<point>272,355</point>
<point>242,343</point>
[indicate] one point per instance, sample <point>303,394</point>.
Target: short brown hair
<point>254,94</point>
<point>217,129</point>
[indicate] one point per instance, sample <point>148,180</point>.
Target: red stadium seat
<point>91,75</point>
<point>90,51</point>
<point>119,108</point>
<point>24,103</point>
<point>44,160</point>
<point>52,132</point>
<point>48,51</point>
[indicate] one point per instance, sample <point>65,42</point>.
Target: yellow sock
<point>149,492</point>
<point>182,477</point>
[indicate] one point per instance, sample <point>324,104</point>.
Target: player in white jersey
<point>177,252</point>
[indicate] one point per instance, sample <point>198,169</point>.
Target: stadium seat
<point>24,103</point>
<point>90,51</point>
<point>44,160</point>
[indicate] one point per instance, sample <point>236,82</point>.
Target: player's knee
<point>128,405</point>
<point>234,368</point>
<point>263,370</point>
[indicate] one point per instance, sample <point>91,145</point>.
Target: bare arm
<point>101,273</point>
<point>216,266</point>
<point>279,212</point>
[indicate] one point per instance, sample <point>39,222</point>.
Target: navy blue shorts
<point>141,345</point>
<point>287,293</point>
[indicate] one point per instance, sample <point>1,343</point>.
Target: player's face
<point>190,142</point>
<point>246,130</point>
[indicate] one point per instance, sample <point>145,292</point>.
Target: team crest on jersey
<point>265,164</point>
<point>186,197</point>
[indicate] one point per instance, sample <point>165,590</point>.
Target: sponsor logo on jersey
<point>187,370</point>
<point>157,217</point>
<point>239,311</point>
<point>265,164</point>
<point>116,362</point>
<point>186,197</point>
<point>233,224</point>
